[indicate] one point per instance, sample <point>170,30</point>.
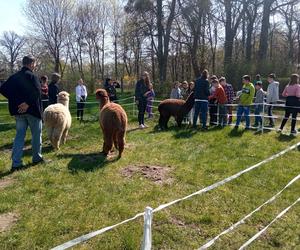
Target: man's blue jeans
<point>35,125</point>
<point>246,111</point>
<point>200,106</point>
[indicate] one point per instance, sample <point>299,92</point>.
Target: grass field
<point>80,191</point>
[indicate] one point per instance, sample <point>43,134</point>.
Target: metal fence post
<point>147,238</point>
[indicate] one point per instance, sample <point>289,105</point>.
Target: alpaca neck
<point>189,103</point>
<point>103,102</point>
<point>65,103</point>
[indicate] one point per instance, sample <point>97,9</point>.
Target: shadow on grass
<point>285,138</point>
<point>236,133</point>
<point>10,145</point>
<point>87,162</point>
<point>6,127</point>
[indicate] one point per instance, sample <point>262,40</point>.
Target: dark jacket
<point>112,92</point>
<point>140,90</point>
<point>23,86</point>
<point>201,90</point>
<point>53,91</point>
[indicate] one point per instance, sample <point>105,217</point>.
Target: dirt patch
<point>7,221</point>
<point>6,182</point>
<point>157,174</point>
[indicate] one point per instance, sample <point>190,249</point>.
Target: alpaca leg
<point>108,142</point>
<point>56,137</point>
<point>121,142</point>
<point>161,121</point>
<point>115,138</point>
<point>64,136</point>
<point>166,120</point>
<point>179,121</point>
<point>49,134</point>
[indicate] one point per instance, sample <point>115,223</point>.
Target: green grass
<point>80,191</point>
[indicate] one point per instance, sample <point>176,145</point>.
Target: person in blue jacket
<point>201,94</point>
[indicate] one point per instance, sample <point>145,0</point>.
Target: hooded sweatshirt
<point>273,92</point>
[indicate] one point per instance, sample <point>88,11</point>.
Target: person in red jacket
<point>221,98</point>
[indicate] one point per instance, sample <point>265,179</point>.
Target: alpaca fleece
<point>113,122</point>
<point>57,119</point>
<point>176,108</point>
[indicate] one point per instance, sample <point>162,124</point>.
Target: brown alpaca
<point>174,107</point>
<point>113,122</point>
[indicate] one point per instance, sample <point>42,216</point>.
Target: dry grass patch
<point>157,174</point>
<point>7,221</point>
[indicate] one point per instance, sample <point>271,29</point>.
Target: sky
<point>11,16</point>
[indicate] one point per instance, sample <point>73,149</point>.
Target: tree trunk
<point>265,26</point>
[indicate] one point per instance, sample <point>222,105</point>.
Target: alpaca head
<point>102,96</point>
<point>63,98</point>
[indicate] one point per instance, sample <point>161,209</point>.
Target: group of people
<point>50,91</point>
<point>216,96</point>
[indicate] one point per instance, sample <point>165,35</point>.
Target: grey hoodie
<point>273,92</point>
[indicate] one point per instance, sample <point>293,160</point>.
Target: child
<point>176,91</point>
<point>221,99</point>
<point>259,100</point>
<point>272,96</point>
<point>230,95</point>
<point>245,100</point>
<point>150,97</point>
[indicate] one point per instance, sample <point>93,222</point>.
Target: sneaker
<point>247,128</point>
<point>236,127</point>
<point>145,126</point>
<point>142,126</point>
<point>14,169</point>
<point>279,130</point>
<point>255,125</point>
<point>294,132</point>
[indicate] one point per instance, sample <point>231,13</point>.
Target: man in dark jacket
<point>53,88</point>
<point>23,91</point>
<point>201,94</point>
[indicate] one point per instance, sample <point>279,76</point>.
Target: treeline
<point>173,39</point>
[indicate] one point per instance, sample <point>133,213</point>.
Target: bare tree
<point>12,44</point>
<point>49,20</point>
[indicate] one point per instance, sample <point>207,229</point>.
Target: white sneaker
<point>279,130</point>
<point>141,126</point>
<point>145,126</point>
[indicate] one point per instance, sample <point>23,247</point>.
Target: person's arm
<point>33,90</point>
<point>284,93</point>
<point>206,86</point>
<point>78,94</point>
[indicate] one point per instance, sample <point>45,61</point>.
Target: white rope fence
<point>266,227</point>
<point>235,225</point>
<point>148,214</point>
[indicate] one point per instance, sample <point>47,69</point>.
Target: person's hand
<point>22,108</point>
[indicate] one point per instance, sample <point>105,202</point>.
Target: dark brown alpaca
<point>174,107</point>
<point>113,122</point>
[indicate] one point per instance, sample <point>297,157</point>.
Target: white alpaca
<point>57,119</point>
